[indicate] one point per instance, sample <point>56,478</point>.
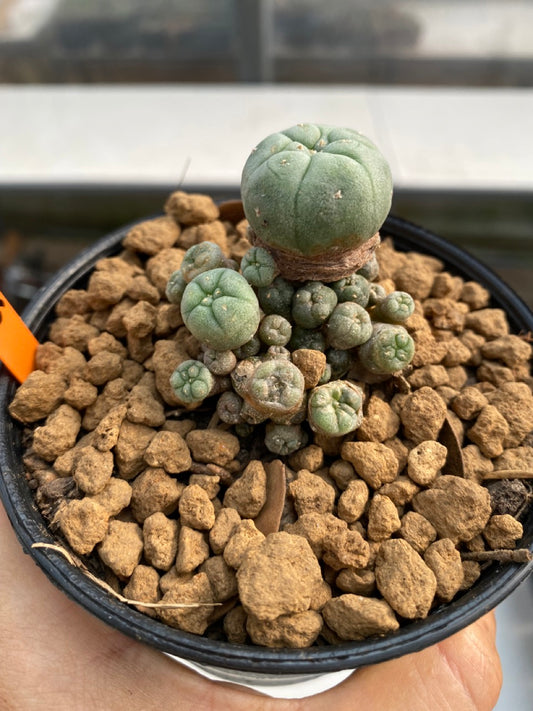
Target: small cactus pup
<point>220,309</point>
<point>275,387</point>
<point>316,196</point>
<point>200,258</point>
<point>258,267</point>
<point>396,307</point>
<point>192,382</point>
<point>389,349</point>
<point>336,408</point>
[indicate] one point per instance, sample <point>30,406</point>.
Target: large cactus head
<point>316,193</point>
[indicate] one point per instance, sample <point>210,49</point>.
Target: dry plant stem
<point>338,263</point>
<point>269,518</point>
<point>520,555</point>
<point>454,459</point>
<point>508,474</point>
<point>138,603</point>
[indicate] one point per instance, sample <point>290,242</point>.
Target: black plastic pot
<point>495,584</point>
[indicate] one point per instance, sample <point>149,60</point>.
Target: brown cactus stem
<point>269,518</point>
<point>507,474</point>
<point>334,264</point>
<point>503,555</point>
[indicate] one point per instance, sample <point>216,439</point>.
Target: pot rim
<point>494,585</point>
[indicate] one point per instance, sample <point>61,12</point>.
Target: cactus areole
<point>315,196</point>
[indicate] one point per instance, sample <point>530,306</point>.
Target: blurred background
<point>105,107</point>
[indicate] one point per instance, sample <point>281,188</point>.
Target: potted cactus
<point>268,430</point>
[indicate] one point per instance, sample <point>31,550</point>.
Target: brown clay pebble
<point>93,470</point>
<point>152,491</point>
<point>422,415</point>
<point>373,461</point>
<point>280,576</point>
<point>445,561</point>
<point>193,549</point>
<point>84,523</point>
<point>170,451</point>
<point>227,520</point>
<point>143,585</point>
<point>354,617</point>
<point>248,493</point>
<point>216,446</point>
<point>37,397</point>
<point>311,494</point>
<point>404,580</point>
<point>192,617</point>
<point>160,536</point>
<point>122,547</point>
<point>458,508</point>
<point>196,509</point>
<point>293,631</point>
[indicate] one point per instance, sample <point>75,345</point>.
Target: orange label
<point>17,342</point>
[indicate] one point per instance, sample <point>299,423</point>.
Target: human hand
<point>55,655</point>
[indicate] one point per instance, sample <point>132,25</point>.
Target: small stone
<point>514,401</point>
<point>221,577</point>
<point>152,491</point>
<point>511,350</point>
<point>311,363</point>
<point>108,429</point>
<point>445,561</point>
<point>425,462</point>
<point>103,367</point>
<point>356,581</point>
<point>169,451</point>
<point>248,493</point>
<point>345,548</point>
<point>310,458</point>
<point>122,547</point>
<point>354,617</point>
<point>373,461</point>
<point>245,536</point>
<point>114,497</point>
<point>235,625</point>
<point>422,415</point>
<point>294,631</point>
<point>196,509</point>
<point>458,508</point>
<point>216,446</point>
<point>226,522</point>
<point>404,580</point>
<point>353,500</point>
<point>380,421</point>
<point>342,473</point>
<point>58,434</point>
<point>489,431</point>
<point>84,523</point>
<point>193,550</point>
<point>80,394</point>
<point>469,403</point>
<point>191,209</point>
<point>151,236</point>
<point>311,494</point>
<point>417,531</point>
<point>475,295</point>
<point>93,469</point>
<point>197,592</point>
<point>131,445</point>
<point>160,540</point>
<point>502,531</point>
<point>476,465</point>
<point>491,323</point>
<point>279,577</point>
<point>400,491</point>
<point>383,519</point>
<point>143,586</point>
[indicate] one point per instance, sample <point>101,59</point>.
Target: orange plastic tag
<point>17,342</point>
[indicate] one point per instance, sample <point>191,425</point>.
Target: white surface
<point>438,138</point>
<point>515,643</point>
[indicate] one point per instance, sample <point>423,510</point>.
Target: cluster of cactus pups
<point>251,318</point>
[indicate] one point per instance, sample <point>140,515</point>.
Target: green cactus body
<point>352,288</point>
<point>248,349</point>
<point>313,187</point>
<point>307,338</point>
<point>258,267</point>
<point>348,326</point>
<point>220,309</point>
<point>277,297</point>
<point>220,362</point>
<point>175,287</point>
<point>229,406</point>
<point>284,439</point>
<point>370,270</point>
<point>394,308</point>
<point>389,349</point>
<point>339,362</point>
<point>192,382</point>
<point>336,408</point>
<point>274,330</point>
<point>312,304</point>
<point>276,387</point>
<point>376,294</point>
<point>201,258</point>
